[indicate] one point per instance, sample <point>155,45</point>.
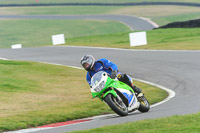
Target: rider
<point>89,64</point>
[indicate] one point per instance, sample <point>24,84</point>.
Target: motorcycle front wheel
<point>116,105</point>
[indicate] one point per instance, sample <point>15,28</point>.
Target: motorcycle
<point>117,95</point>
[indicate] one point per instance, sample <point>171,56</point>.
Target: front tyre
<point>144,104</point>
<point>116,105</point>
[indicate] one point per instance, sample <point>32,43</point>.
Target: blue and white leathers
<point>101,65</point>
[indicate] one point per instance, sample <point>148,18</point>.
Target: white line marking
<point>150,21</point>
<point>169,91</point>
<point>145,19</point>
<point>3,58</point>
<point>60,65</point>
<point>29,130</point>
<point>120,49</point>
<point>126,25</point>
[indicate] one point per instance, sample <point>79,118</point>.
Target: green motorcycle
<point>119,96</point>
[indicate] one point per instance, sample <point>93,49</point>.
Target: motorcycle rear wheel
<point>117,106</point>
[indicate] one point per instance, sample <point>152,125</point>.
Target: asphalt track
<point>133,22</point>
<point>177,70</point>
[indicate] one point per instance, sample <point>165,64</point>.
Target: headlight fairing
<point>97,89</point>
<point>100,87</point>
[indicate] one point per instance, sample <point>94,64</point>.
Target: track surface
<point>179,71</point>
<point>134,23</point>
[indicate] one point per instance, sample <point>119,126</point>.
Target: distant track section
<point>105,4</point>
<point>133,22</point>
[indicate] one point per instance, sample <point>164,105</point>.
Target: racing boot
<point>137,90</point>
<point>124,78</point>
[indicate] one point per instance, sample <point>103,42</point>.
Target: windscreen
<point>96,78</point>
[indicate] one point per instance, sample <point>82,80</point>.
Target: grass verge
<point>163,20</point>
<point>64,10</point>
<point>164,39</point>
<point>32,33</point>
<point>34,94</point>
<point>184,124</point>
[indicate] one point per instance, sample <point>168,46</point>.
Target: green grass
<point>31,33</point>
<point>183,124</point>
<point>169,39</point>
<point>34,94</point>
<point>159,14</point>
<point>86,1</point>
<point>176,18</point>
<point>66,10</point>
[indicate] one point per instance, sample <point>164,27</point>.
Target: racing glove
<point>113,74</point>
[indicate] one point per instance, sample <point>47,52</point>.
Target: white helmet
<point>87,62</point>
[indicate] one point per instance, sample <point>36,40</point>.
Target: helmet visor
<point>86,66</point>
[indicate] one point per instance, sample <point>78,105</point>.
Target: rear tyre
<point>116,105</point>
<point>144,104</point>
